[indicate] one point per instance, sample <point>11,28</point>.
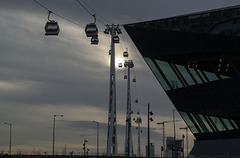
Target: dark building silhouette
<point>196,59</point>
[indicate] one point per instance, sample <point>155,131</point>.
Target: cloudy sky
<point>42,76</point>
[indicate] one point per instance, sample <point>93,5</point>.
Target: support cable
<point>97,12</point>
<point>89,11</point>
<point>58,14</point>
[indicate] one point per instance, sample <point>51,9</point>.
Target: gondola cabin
<point>125,76</point>
<point>91,30</point>
<point>115,39</point>
<point>120,65</point>
<point>94,40</point>
<point>52,28</point>
<point>125,54</point>
<point>134,80</point>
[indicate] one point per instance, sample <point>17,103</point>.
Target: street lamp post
<point>97,136</point>
<point>174,135</point>
<point>10,143</point>
<point>84,147</point>
<point>54,116</point>
<point>149,119</point>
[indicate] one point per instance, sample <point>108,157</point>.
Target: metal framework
<point>112,148</point>
<point>186,128</point>
<point>163,127</point>
<point>139,122</point>
<point>128,150</point>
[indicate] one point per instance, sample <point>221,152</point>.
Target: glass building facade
<point>196,59</point>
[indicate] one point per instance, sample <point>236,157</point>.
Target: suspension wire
<point>68,20</point>
<point>135,88</point>
<point>124,43</point>
<point>84,7</point>
<point>89,11</point>
<point>42,5</point>
<point>96,12</point>
<point>58,14</point>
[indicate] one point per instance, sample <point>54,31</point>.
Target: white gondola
<point>116,39</point>
<point>125,76</point>
<point>125,54</point>
<point>91,30</point>
<point>52,28</point>
<point>120,65</point>
<point>94,40</point>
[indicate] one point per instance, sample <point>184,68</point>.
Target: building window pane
<point>195,75</point>
<point>206,123</point>
<point>218,123</point>
<point>169,73</point>
<point>205,80</point>
<point>224,77</point>
<point>185,74</point>
<point>197,122</point>
<point>211,76</point>
<point>208,119</point>
<point>157,74</point>
<point>228,124</point>
<point>233,122</point>
<point>188,122</point>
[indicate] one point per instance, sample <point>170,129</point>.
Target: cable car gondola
<point>91,30</point>
<point>51,27</point>
<point>125,54</point>
<point>125,76</point>
<point>134,80</point>
<point>120,65</point>
<point>115,39</point>
<point>94,40</point>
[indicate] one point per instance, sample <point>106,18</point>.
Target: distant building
<point>152,151</point>
<point>174,147</point>
<point>196,59</point>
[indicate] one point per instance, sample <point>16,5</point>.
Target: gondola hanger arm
<point>49,12</point>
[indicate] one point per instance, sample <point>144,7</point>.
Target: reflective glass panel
<point>157,74</point>
<point>218,123</point>
<point>205,123</point>
<point>211,76</point>
<point>197,122</point>
<point>205,80</point>
<point>186,75</point>
<point>195,75</point>
<point>188,122</point>
<point>169,73</point>
<point>233,122</point>
<point>228,124</point>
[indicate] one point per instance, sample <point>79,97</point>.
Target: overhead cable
<point>58,14</point>
<point>89,11</point>
<point>96,12</point>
